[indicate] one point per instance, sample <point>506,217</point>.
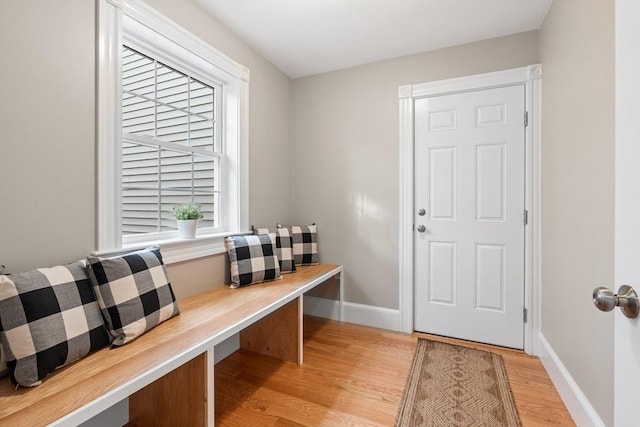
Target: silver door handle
<point>421,228</point>
<point>421,212</point>
<point>626,298</point>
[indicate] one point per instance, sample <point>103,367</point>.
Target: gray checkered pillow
<point>305,244</point>
<point>48,319</point>
<point>133,292</point>
<point>284,248</point>
<point>252,259</point>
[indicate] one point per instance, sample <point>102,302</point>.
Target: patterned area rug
<point>450,385</point>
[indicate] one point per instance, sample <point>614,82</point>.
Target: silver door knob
<point>421,228</point>
<point>626,298</point>
<point>421,212</point>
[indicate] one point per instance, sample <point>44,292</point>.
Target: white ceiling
<point>306,37</point>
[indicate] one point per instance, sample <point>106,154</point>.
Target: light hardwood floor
<point>355,375</point>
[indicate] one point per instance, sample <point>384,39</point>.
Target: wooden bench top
<point>85,388</point>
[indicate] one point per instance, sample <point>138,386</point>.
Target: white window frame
<point>137,23</point>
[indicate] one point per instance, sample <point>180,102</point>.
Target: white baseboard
<point>576,402</point>
<point>321,307</point>
<point>370,315</point>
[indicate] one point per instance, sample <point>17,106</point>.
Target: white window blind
<point>170,152</point>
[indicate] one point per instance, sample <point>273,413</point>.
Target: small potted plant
<point>187,217</point>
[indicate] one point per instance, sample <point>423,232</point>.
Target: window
<point>170,150</point>
<point>172,129</point>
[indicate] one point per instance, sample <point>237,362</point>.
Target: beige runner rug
<point>449,385</point>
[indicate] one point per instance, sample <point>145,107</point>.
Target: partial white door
<point>469,220</point>
<point>627,255</point>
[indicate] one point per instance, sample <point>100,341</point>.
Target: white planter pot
<point>187,228</point>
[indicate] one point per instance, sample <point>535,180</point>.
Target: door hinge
<point>524,315</point>
<point>526,118</point>
<point>525,216</point>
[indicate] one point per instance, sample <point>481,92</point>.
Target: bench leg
<point>182,397</point>
<point>277,335</point>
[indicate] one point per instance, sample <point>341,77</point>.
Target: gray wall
<point>47,144</point>
<point>346,155</point>
<point>47,139</point>
<point>577,55</point>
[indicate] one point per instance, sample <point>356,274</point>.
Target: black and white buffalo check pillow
<point>284,248</point>
<point>48,319</point>
<point>133,292</point>
<point>252,259</point>
<point>305,243</point>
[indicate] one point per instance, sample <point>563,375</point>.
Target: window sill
<point>178,250</point>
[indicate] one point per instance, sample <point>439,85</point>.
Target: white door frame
<point>626,388</point>
<point>530,77</point>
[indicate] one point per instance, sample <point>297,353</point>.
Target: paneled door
<point>470,219</point>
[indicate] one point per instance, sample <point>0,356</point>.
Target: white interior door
<point>470,199</point>
<point>627,331</point>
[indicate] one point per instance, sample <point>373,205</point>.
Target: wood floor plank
<point>355,375</point>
